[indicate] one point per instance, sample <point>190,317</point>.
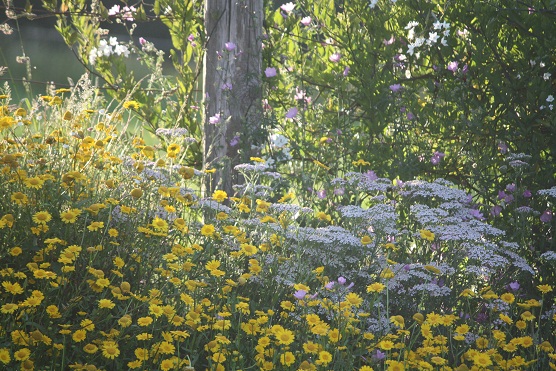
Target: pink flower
<point>396,87</point>
<point>346,71</point>
<point>142,41</point>
<point>335,58</point>
<point>230,46</point>
<point>300,294</point>
<point>214,119</point>
<point>306,21</point>
<point>292,112</point>
<point>288,7</point>
<point>329,285</point>
<point>270,72</point>
<point>546,216</point>
<point>452,66</point>
<point>390,41</point>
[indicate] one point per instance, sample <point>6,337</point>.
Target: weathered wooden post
<point>231,86</point>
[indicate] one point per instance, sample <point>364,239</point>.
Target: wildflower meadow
<point>353,240</point>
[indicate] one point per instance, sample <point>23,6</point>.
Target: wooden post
<point>231,87</point>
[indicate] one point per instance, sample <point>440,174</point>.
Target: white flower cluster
<point>440,31</point>
<point>106,48</point>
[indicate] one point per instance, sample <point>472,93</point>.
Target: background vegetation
<point>400,215</point>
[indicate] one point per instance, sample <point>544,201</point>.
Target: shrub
<point>111,259</point>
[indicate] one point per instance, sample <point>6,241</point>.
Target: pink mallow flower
<point>335,58</point>
<point>270,72</point>
<point>230,46</point>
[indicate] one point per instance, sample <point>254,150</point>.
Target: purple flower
<point>546,216</point>
<point>270,72</point>
<point>510,187</point>
<point>379,355</point>
<point>436,157</point>
<point>496,210</point>
<point>346,71</point>
<point>292,112</point>
<point>335,58</point>
<point>300,294</point>
<point>527,193</point>
<point>370,175</point>
<point>396,87</point>
<point>226,86</point>
<point>191,37</point>
<point>502,147</point>
<point>321,194</point>
<point>339,191</point>
<point>306,21</point>
<point>452,66</point>
<point>465,69</point>
<point>230,46</point>
<point>476,214</point>
<point>501,195</point>
<point>214,119</point>
<point>410,116</point>
<point>235,141</point>
<point>514,286</point>
<point>341,280</point>
<point>509,199</point>
<point>329,285</point>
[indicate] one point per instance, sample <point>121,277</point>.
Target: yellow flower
<point>544,288</point>
<point>323,216</point>
<point>365,240</point>
<point>208,230</point>
<point>287,359</point>
<point>173,150</point>
<point>482,360</point>
<point>95,226</point>
<point>168,364</point>
<point>90,348</point>
<point>131,104</point>
<point>9,308</point>
<point>136,193</point>
<point>15,251</point>
<point>110,349</point>
<point>166,348</point>
<point>22,354</point>
<point>125,320</point>
<point>426,234</point>
<point>160,225</point>
<point>79,335</point>
<point>507,297</point>
<point>376,287</point>
<point>527,316</point>
<point>12,288</point>
<point>70,216</point>
<point>144,321</point>
<point>395,366</point>
<point>387,273</point>
<point>324,358</point>
<point>386,344</point>
<point>219,196</point>
<point>19,198</point>
<point>354,299</point>
<point>106,303</point>
<point>5,357</point>
<point>360,162</point>
<point>42,217</point>
<point>284,337</point>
